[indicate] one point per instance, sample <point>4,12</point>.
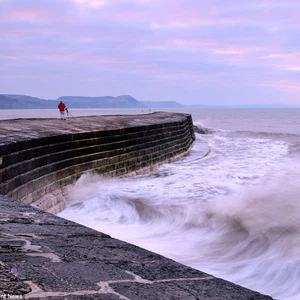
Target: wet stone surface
<point>46,257</point>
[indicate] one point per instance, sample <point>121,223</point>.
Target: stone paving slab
<point>43,256</point>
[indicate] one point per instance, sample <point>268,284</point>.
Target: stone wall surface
<point>40,157</point>
<point>43,256</point>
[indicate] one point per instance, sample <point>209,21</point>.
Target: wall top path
<point>23,129</point>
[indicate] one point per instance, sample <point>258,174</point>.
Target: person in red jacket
<point>62,108</point>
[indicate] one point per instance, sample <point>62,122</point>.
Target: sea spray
<point>258,240</point>
<point>251,237</point>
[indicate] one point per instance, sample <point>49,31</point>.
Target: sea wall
<point>36,170</point>
<point>43,256</point>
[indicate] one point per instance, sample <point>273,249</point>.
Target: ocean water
<point>234,213</point>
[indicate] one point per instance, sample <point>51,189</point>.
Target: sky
<point>216,52</point>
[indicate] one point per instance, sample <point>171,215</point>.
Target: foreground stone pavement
<point>46,257</point>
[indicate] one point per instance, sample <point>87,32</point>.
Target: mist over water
<point>233,213</point>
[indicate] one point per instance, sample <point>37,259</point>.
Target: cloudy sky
<point>190,51</point>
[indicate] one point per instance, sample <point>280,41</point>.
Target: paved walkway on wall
<point>22,129</point>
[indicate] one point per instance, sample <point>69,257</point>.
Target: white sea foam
<point>251,237</point>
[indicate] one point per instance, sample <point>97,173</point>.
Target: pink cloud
<point>195,42</point>
<point>229,51</point>
<point>28,14</point>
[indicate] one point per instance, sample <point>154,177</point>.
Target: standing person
<point>62,107</point>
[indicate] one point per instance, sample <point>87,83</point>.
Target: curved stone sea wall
<point>44,256</point>
<point>37,167</point>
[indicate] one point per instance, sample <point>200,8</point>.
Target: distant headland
<point>8,101</point>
